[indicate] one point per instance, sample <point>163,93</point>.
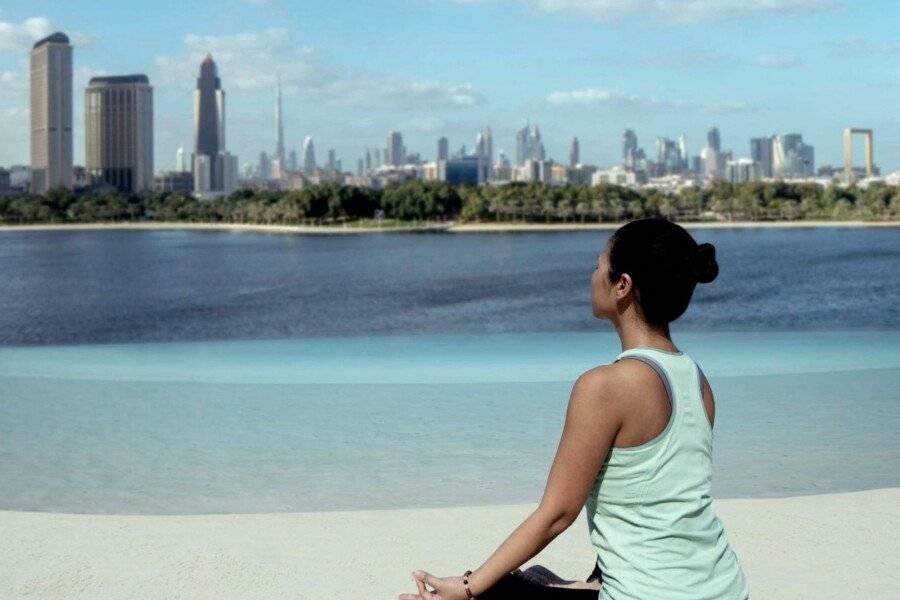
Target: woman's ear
<point>622,286</point>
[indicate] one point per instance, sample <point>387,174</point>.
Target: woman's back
<point>650,512</point>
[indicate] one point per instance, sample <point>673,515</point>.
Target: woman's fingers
<point>429,578</point>
<point>425,594</point>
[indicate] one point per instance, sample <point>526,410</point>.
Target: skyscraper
<point>629,148</point>
<point>209,121</point>
<point>279,129</point>
<point>799,157</point>
<point>118,127</point>
<point>484,145</point>
<point>292,161</point>
<point>779,158</point>
<point>792,141</point>
<point>227,167</point>
<point>711,160</point>
<point>713,140</point>
<point>180,164</point>
<point>574,153</point>
<point>443,149</point>
<point>309,155</point>
<point>264,167</point>
<point>668,155</point>
<point>395,152</point>
<point>761,152</point>
<point>683,152</point>
<point>806,160</point>
<point>51,113</point>
<point>529,145</point>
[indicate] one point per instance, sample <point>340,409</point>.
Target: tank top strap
<point>681,376</point>
<point>661,361</point>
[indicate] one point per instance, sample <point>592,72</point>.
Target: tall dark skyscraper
<point>209,118</point>
<point>713,140</point>
<point>395,152</point>
<point>279,130</point>
<point>761,152</point>
<point>574,153</point>
<point>443,152</point>
<point>629,148</point>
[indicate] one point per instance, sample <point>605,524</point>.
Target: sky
<point>353,70</point>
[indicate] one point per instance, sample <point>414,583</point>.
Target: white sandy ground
<point>844,545</point>
<point>448,226</point>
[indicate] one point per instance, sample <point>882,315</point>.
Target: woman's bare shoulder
<point>610,381</point>
<point>612,373</point>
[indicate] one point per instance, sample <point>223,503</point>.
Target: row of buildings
<point>118,125</point>
<point>118,117</point>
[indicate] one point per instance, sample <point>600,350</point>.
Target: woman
<point>635,451</point>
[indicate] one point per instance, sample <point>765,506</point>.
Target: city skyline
<point>569,106</point>
<point>119,125</point>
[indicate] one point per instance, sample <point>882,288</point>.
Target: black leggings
<point>514,586</point>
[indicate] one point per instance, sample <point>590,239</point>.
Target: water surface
<point>206,372</point>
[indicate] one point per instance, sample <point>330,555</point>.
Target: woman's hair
<point>665,264</point>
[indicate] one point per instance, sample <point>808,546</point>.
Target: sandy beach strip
<point>246,227</point>
<point>842,545</point>
<point>449,226</point>
<point>499,227</point>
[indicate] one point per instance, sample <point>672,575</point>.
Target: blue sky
<point>354,70</point>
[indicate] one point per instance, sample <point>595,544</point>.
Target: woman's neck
<point>642,335</point>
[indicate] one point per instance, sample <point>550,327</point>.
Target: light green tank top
<point>650,513</point>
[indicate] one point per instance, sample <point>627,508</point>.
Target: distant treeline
<point>417,201</point>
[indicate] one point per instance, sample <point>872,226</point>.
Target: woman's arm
<point>592,422</point>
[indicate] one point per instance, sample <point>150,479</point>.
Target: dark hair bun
<point>706,268</point>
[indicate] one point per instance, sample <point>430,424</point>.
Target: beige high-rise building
<point>51,113</point>
<point>118,126</point>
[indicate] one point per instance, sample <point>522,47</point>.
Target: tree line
<point>424,201</point>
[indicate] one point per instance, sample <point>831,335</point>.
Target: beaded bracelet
<point>466,584</point>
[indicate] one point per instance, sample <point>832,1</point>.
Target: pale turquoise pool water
<point>348,423</point>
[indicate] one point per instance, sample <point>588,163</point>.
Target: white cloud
<point>12,84</point>
<point>671,11</point>
<point>777,62</point>
<point>14,123</point>
<point>395,93</point>
<point>855,46</point>
<point>593,97</point>
<point>589,97</point>
<point>678,59</point>
<point>23,35</point>
<point>82,75</point>
<point>423,124</point>
<point>255,60</point>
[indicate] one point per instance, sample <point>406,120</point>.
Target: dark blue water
<point>62,287</point>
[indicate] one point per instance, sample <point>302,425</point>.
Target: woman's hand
<point>445,588</point>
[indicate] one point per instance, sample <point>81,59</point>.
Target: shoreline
<point>449,227</point>
<point>801,546</point>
